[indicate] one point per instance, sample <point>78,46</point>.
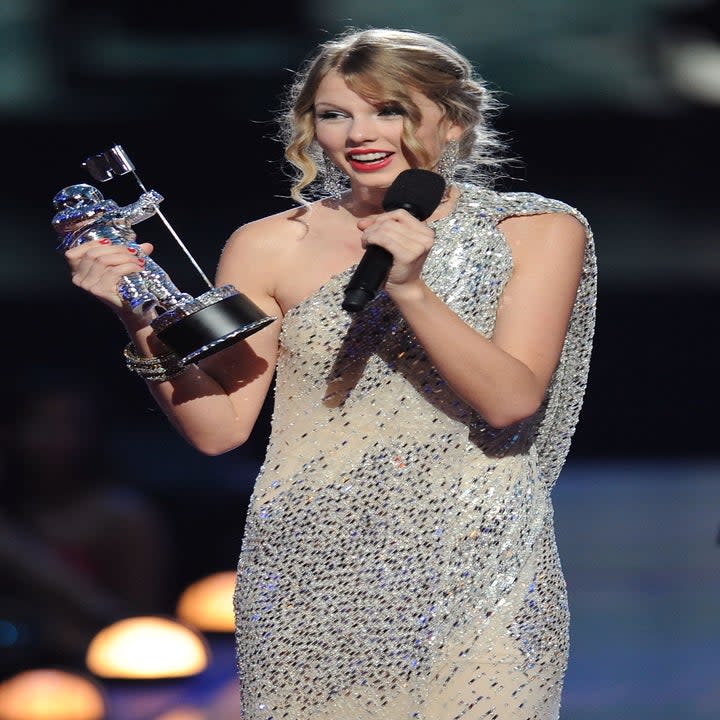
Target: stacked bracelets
<point>153,369</point>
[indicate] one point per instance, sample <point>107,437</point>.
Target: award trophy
<point>192,327</point>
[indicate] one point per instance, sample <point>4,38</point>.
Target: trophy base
<point>209,323</point>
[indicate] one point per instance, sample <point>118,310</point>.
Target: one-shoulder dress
<point>399,558</point>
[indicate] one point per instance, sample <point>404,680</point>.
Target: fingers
<point>407,239</point>
<point>398,232</point>
<point>366,222</point>
<point>98,267</point>
<point>401,216</point>
<point>105,246</point>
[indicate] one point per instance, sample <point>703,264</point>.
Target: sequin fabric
<point>399,558</point>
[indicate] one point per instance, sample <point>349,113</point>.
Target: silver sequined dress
<point>399,558</point>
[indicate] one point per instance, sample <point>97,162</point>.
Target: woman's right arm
<point>214,404</point>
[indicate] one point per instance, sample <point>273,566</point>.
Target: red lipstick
<point>369,159</point>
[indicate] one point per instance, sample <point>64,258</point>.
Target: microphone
<point>417,191</point>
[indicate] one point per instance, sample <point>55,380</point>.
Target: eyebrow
<point>379,104</point>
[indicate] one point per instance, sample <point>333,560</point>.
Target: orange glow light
<point>208,604</point>
<point>50,695</point>
<point>147,648</point>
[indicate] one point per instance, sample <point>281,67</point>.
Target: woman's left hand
<point>407,239</point>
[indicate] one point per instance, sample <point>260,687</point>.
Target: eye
<point>329,115</point>
<point>391,110</point>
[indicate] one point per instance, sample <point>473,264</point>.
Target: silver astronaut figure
<point>83,215</point>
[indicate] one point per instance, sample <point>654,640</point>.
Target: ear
<point>454,132</point>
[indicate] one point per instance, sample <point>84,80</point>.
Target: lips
<point>369,159</point>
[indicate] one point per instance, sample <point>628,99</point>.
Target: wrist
<point>408,292</point>
<point>133,322</point>
<point>156,368</point>
<point>143,337</point>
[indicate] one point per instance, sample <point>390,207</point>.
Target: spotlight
<point>689,51</point>
<point>183,713</point>
<point>693,68</point>
<point>47,694</point>
<point>145,648</point>
<point>208,603</point>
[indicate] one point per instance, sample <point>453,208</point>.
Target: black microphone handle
<point>418,192</point>
<point>369,275</point>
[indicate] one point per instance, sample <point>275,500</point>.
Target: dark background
<point>612,107</point>
<point>191,96</point>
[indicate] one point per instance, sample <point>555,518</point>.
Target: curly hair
<point>385,66</point>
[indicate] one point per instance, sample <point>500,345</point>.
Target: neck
<point>364,201</point>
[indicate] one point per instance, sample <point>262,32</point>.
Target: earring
<point>333,179</point>
<point>448,162</point>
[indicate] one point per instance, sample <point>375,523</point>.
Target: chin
<point>380,180</point>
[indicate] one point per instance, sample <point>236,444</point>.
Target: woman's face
<point>364,140</point>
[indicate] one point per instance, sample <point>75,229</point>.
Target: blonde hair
<point>388,66</point>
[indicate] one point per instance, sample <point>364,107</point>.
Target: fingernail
<point>104,241</point>
<point>132,250</point>
<point>141,261</point>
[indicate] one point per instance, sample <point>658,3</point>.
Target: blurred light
<point>147,648</point>
<point>208,603</point>
<point>183,713</point>
<point>694,68</point>
<point>9,633</point>
<point>50,695</point>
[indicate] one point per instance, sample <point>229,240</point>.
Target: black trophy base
<point>209,329</point>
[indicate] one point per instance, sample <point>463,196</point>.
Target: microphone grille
<point>417,191</point>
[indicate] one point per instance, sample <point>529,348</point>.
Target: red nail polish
<point>132,250</point>
<point>104,241</point>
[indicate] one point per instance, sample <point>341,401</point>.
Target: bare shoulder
<point>543,227</point>
<point>548,237</point>
<point>260,248</point>
<point>269,234</point>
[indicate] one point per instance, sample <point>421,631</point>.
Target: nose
<point>362,129</point>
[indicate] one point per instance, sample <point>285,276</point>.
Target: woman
<point>399,556</point>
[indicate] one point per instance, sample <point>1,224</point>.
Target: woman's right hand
<point>99,266</point>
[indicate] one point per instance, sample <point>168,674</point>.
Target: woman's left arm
<point>503,378</point>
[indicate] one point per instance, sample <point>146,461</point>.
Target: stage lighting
<point>689,51</point>
<point>693,68</point>
<point>47,694</point>
<point>208,603</point>
<point>183,713</point>
<point>145,648</point>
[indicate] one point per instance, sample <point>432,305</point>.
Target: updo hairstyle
<point>386,67</point>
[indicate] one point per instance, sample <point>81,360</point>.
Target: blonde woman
<point>399,558</point>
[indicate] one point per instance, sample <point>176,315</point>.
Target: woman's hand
<point>99,266</point>
<point>407,239</point>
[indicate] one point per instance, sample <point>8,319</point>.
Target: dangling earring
<point>448,162</point>
<point>333,179</point>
